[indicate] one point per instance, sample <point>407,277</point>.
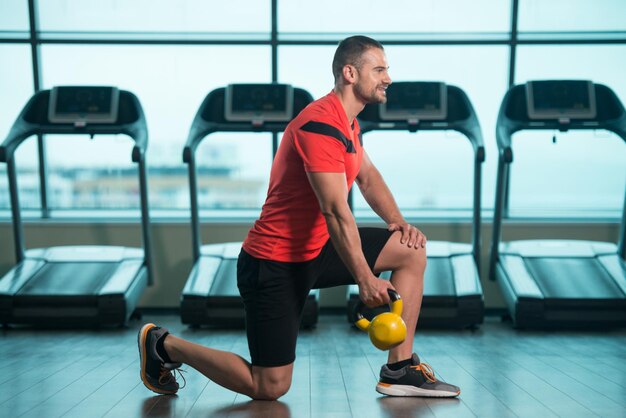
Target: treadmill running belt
<point>439,277</point>
<point>572,278</point>
<point>68,279</point>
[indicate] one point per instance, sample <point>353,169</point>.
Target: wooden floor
<point>501,372</point>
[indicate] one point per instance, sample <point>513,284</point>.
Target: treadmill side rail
<point>201,277</point>
<point>525,311</point>
<point>13,281</point>
<point>121,280</point>
<point>524,286</point>
<point>117,308</point>
<point>465,275</point>
<point>616,267</point>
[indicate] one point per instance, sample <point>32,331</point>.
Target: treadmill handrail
<point>507,126</point>
<point>201,128</point>
<point>468,127</point>
<point>36,109</point>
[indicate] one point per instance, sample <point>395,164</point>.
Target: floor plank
<point>328,391</point>
<point>74,393</point>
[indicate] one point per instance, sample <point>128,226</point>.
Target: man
<point>306,237</point>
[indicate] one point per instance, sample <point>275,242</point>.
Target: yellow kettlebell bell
<point>388,329</point>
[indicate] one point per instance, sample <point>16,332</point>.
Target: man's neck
<point>350,103</point>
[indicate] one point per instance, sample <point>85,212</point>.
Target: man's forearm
<point>346,240</point>
<point>379,198</point>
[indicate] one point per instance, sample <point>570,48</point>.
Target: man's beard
<point>370,96</point>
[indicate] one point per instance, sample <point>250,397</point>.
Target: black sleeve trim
<point>329,130</point>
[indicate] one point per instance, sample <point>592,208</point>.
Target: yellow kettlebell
<point>388,329</point>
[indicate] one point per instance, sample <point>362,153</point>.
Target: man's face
<point>373,77</point>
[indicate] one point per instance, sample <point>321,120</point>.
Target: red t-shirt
<point>291,227</point>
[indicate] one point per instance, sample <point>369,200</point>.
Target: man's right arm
<point>332,193</point>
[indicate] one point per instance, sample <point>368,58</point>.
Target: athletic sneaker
<point>156,374</point>
<point>417,379</point>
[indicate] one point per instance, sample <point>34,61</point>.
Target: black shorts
<point>274,294</point>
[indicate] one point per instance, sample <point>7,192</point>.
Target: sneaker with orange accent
<point>417,379</point>
<point>156,374</point>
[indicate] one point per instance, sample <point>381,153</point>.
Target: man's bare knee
<point>398,256</point>
<point>413,259</point>
<point>272,391</point>
<point>419,257</point>
<point>271,383</point>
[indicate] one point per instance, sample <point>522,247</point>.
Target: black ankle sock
<point>160,348</point>
<point>400,364</point>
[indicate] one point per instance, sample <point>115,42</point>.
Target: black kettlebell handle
<point>393,296</point>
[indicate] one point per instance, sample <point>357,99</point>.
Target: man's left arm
<point>379,198</point>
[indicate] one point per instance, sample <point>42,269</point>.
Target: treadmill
<point>453,296</point>
<point>558,283</point>
<point>76,285</point>
<point>210,296</point>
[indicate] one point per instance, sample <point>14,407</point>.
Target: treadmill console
<point>258,103</point>
<point>415,100</point>
<point>561,99</point>
<point>83,104</point>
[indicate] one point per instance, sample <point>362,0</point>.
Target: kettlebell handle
<point>394,305</point>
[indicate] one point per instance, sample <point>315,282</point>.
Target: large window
<point>14,19</point>
<point>170,82</point>
<point>16,85</point>
<point>156,19</point>
<point>567,174</point>
<point>233,173</point>
<point>395,19</point>
<point>574,172</point>
<point>172,54</point>
<point>571,18</point>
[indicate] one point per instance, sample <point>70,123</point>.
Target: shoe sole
<point>407,390</point>
<point>141,342</point>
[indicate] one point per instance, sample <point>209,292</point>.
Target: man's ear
<point>349,73</point>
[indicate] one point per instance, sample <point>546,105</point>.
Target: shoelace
<point>427,371</point>
<point>166,376</point>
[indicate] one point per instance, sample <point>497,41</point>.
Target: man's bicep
<point>330,188</point>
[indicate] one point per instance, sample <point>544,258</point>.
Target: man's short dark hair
<point>349,52</point>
